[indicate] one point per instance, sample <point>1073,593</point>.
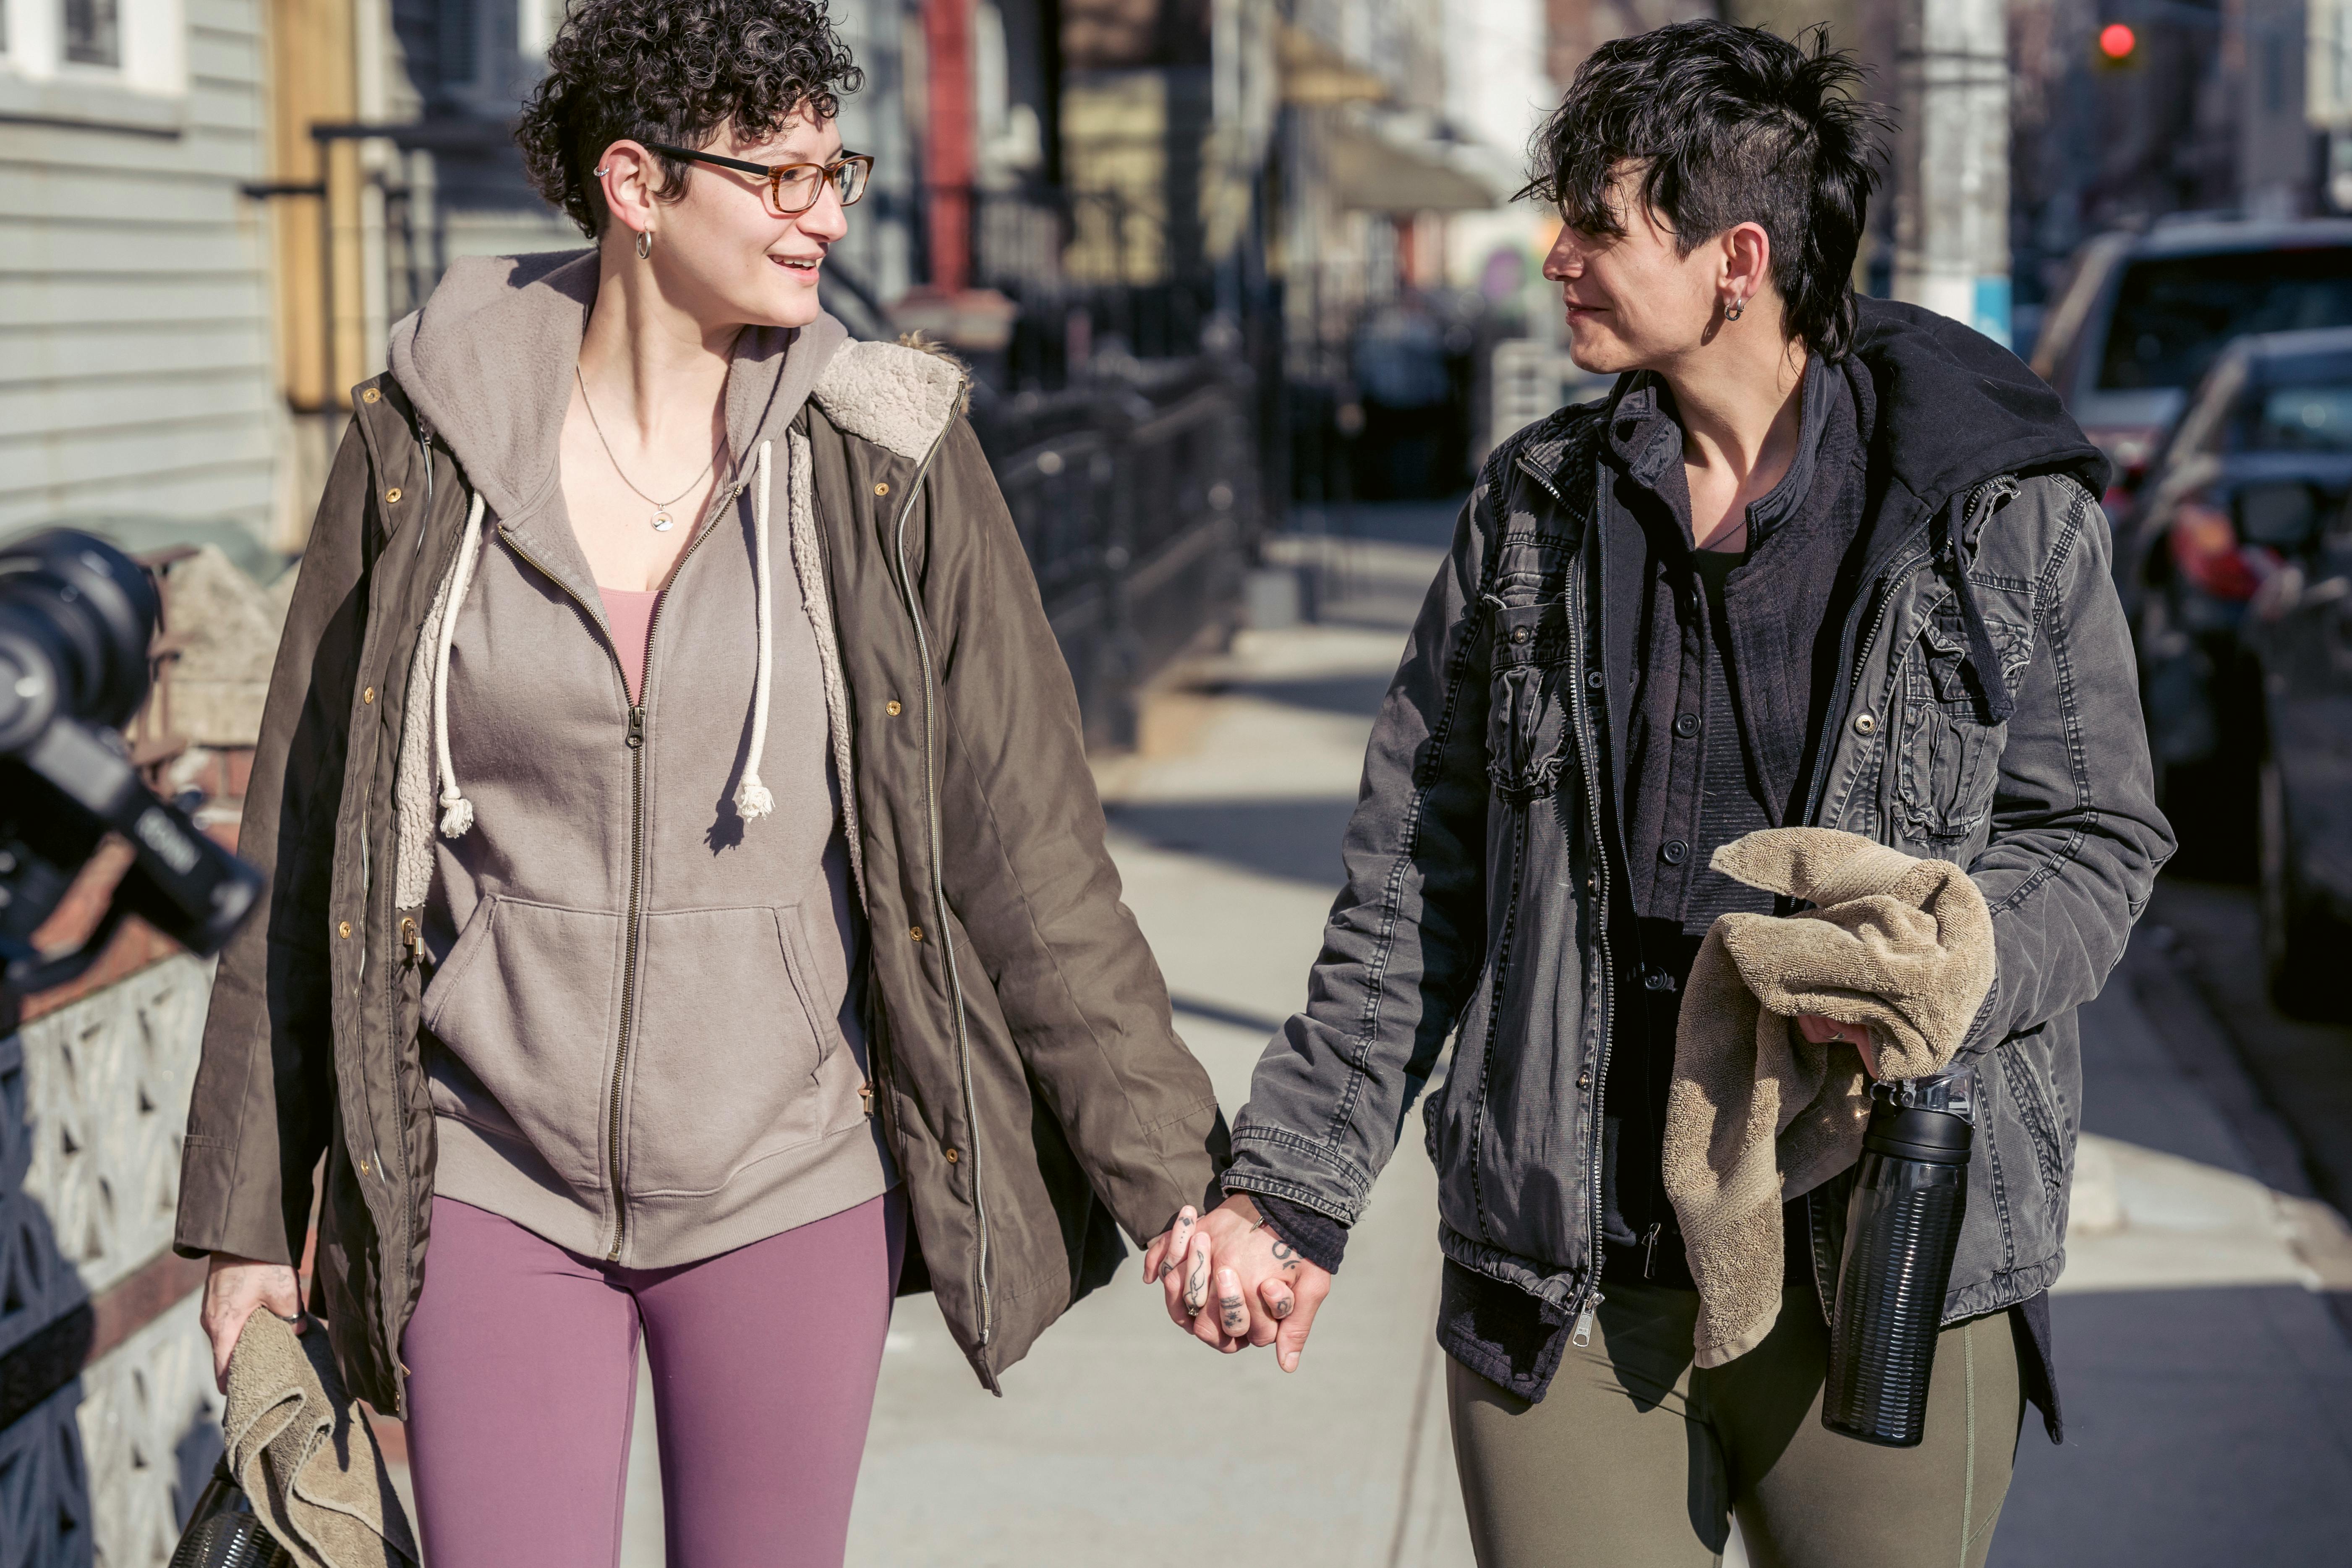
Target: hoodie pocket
<point>733,1058</point>
<point>528,1002</point>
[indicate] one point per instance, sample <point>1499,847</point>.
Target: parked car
<point>2145,316</point>
<point>2299,633</point>
<point>2240,495</point>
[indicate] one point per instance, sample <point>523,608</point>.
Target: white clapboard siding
<point>137,373</point>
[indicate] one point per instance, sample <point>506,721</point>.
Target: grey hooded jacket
<point>1486,872</point>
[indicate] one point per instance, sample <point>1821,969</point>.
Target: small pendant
<point>661,522</point>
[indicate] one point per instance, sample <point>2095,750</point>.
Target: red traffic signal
<point>2118,43</point>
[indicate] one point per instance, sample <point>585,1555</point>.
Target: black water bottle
<point>1902,1228</point>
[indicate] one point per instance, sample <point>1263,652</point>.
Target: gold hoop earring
<point>645,244</point>
<point>1734,310</point>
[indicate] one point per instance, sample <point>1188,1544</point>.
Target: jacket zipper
<point>634,738</point>
<point>939,884</point>
<point>1591,1296</point>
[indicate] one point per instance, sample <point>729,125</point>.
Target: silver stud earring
<point>645,244</point>
<point>605,171</point>
<point>1733,312</point>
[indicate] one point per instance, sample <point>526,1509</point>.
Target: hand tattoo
<point>1196,1284</point>
<point>1233,1315</point>
<point>1287,1256</point>
<point>1281,1307</point>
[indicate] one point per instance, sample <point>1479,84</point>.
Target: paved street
<point>2207,1384</point>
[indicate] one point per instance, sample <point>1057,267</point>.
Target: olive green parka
<point>1034,1096</point>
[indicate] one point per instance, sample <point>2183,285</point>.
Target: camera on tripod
<point>77,615</point>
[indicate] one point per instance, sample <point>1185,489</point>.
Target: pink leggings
<point>523,1380</point>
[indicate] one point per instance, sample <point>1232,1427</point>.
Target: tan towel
<point>300,1447</point>
<point>1756,1114</point>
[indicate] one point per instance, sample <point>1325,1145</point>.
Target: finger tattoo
<point>1281,1307</point>
<point>1234,1316</point>
<point>1196,1284</point>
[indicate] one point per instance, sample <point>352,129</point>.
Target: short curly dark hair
<point>1720,125</point>
<point>673,71</point>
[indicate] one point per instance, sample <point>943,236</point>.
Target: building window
<point>93,33</point>
<point>461,44</point>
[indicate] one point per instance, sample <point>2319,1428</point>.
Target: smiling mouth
<point>806,265</point>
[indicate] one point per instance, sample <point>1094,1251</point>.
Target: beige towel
<point>1756,1114</point>
<point>300,1448</point>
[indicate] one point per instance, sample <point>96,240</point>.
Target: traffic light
<point>2117,46</point>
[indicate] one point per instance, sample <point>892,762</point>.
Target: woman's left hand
<point>1829,1031</point>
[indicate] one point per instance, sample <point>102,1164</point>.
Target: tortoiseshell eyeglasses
<point>792,188</point>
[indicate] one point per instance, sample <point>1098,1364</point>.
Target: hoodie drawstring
<point>457,811</point>
<point>753,800</point>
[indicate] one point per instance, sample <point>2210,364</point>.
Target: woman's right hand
<point>234,1288</point>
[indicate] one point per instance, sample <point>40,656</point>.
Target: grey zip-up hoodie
<point>643,1040</point>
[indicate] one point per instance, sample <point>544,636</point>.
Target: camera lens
<point>76,617</point>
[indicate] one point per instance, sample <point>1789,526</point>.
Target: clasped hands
<point>1231,1282</point>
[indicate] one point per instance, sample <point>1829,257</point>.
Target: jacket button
<point>915,931</point>
<point>363,1170</point>
<point>881,486</point>
<point>952,1156</point>
<point>1672,851</point>
<point>368,695</point>
<point>1593,679</point>
<point>392,495</point>
<point>1584,1080</point>
<point>344,929</point>
<point>370,395</point>
<point>1592,881</point>
<point>1518,634</point>
<point>1865,724</point>
<point>1686,725</point>
<point>892,708</point>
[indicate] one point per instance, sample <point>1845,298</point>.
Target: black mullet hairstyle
<point>1712,125</point>
<point>673,71</point>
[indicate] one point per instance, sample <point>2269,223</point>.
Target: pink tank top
<point>631,614</point>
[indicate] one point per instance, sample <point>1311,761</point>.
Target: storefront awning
<point>1375,167</point>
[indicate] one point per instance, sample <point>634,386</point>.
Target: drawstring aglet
<point>752,799</point>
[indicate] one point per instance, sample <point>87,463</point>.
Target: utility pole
<point>1951,209</point>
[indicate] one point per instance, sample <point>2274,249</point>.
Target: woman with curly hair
<point>685,871</point>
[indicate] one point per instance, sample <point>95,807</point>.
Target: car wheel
<point>2303,941</point>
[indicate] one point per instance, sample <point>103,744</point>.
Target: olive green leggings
<point>1635,1460</point>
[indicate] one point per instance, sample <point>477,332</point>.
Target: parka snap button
<point>370,395</point>
<point>953,1156</point>
<point>1584,1080</point>
<point>1593,679</point>
<point>892,708</point>
<point>392,495</point>
<point>915,931</point>
<point>1518,634</point>
<point>368,695</point>
<point>344,929</point>
<point>1865,724</point>
<point>881,486</point>
<point>1592,882</point>
<point>1686,725</point>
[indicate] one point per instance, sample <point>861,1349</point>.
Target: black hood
<point>1956,408</point>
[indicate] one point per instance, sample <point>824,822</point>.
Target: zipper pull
<point>1584,1335</point>
<point>412,941</point>
<point>425,438</point>
<point>1650,1247</point>
<point>636,727</point>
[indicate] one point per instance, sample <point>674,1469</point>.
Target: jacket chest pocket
<point>1527,725</point>
<point>1948,759</point>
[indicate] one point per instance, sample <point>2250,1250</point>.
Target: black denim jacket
<point>1986,714</point>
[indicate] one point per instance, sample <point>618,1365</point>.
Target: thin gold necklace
<point>661,518</point>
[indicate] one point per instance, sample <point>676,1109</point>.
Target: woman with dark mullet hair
<point>1815,563</point>
<point>689,916</point>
